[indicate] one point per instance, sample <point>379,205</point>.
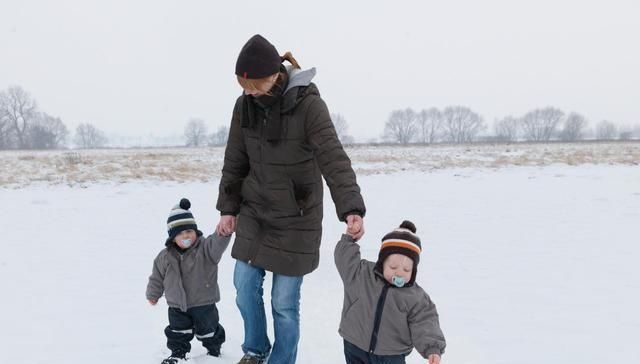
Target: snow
<point>526,264</point>
<point>83,167</point>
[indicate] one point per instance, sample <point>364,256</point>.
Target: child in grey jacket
<point>186,271</point>
<point>385,313</point>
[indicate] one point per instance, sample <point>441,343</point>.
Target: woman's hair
<point>289,58</point>
<point>263,84</point>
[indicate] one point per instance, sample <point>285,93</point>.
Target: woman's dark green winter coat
<point>275,188</point>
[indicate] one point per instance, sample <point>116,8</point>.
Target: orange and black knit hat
<point>402,240</point>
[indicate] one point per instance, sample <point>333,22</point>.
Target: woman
<point>281,143</point>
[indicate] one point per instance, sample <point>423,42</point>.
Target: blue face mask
<point>186,243</point>
<point>397,281</point>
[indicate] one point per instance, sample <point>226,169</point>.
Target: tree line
<point>24,126</point>
<point>196,134</point>
<point>460,124</point>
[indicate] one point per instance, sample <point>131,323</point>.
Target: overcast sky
<point>146,66</point>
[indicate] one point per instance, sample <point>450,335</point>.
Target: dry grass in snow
<point>81,167</point>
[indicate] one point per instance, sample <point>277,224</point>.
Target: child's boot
<point>175,358</point>
<point>214,343</point>
<point>214,351</point>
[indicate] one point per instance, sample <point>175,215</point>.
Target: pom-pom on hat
<point>180,219</point>
<point>402,240</point>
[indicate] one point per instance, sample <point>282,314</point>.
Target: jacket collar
<point>299,80</point>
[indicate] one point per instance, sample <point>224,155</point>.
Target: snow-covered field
<point>83,167</point>
<point>527,264</point>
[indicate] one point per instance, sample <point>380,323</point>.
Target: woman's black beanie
<point>258,59</point>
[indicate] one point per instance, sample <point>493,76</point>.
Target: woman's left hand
<point>434,359</point>
<point>355,226</point>
<point>227,225</point>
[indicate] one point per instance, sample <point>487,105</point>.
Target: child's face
<point>184,235</point>
<point>397,265</point>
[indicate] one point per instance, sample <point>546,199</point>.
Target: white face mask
<point>186,243</point>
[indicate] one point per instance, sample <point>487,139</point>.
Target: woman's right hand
<point>355,226</point>
<point>227,225</point>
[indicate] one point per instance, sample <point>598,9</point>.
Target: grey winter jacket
<point>189,279</point>
<point>408,318</point>
<point>276,189</point>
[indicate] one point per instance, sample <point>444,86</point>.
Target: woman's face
<point>261,87</point>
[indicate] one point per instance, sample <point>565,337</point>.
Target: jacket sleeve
<point>215,245</point>
<point>347,258</point>
<point>334,163</point>
<point>424,325</point>
<point>155,287</point>
<point>235,168</point>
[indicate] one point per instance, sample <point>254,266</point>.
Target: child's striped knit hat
<point>402,240</point>
<point>180,219</point>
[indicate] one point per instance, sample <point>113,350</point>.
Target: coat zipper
<point>378,318</point>
<point>184,292</point>
<point>253,252</point>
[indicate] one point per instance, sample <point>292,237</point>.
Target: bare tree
<point>339,123</point>
<point>47,132</point>
<point>5,135</point>
<point>19,109</point>
<point>429,125</point>
<point>626,135</point>
<point>6,140</point>
<point>219,137</point>
<point>541,124</point>
<point>401,126</point>
<point>625,132</point>
<point>342,128</point>
<point>347,140</point>
<point>606,130</point>
<point>195,132</point>
<point>461,124</point>
<point>507,129</point>
<point>40,138</point>
<point>89,137</point>
<point>574,127</point>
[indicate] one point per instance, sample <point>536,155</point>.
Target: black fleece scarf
<point>267,107</point>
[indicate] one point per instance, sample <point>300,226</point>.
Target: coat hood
<point>299,80</point>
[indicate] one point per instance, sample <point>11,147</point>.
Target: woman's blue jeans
<point>285,304</point>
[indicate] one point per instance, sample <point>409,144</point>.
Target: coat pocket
<point>282,201</point>
<point>302,194</point>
